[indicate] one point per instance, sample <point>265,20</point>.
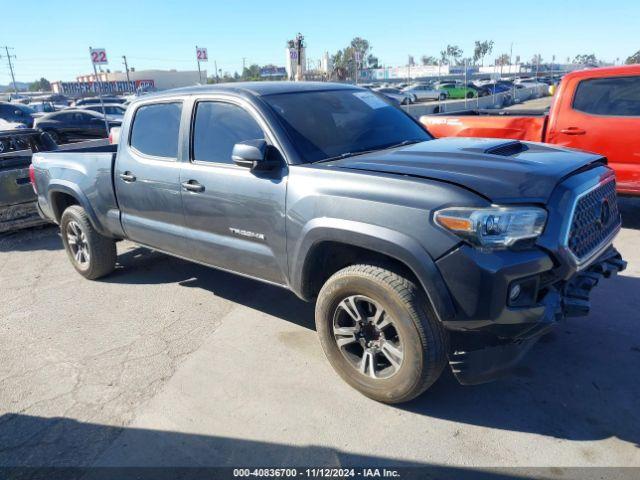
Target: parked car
<point>96,101</point>
<point>74,124</point>
<point>425,92</point>
<point>114,111</point>
<point>597,110</point>
<point>396,95</point>
<point>17,112</point>
<point>17,199</point>
<point>457,90</point>
<point>40,108</point>
<point>419,253</point>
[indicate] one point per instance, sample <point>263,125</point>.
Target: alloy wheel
<point>78,245</point>
<point>367,337</point>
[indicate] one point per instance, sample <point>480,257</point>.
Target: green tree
<point>504,59</point>
<point>481,50</point>
<point>585,59</point>
<point>428,60</point>
<point>344,60</point>
<point>42,85</point>
<point>251,73</point>
<point>635,58</point>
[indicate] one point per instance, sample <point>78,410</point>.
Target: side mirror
<point>251,154</point>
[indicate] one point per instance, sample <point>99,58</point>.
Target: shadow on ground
<point>630,210</point>
<point>62,448</point>
<point>36,238</point>
<point>578,383</point>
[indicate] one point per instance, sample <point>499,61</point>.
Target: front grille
<point>595,218</point>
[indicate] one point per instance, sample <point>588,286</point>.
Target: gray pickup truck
<point>419,253</point>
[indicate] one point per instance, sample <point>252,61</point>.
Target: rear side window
<point>218,127</point>
<point>155,129</point>
<point>614,96</point>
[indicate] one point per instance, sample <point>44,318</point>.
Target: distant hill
<point>9,88</point>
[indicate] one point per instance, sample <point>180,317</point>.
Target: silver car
<point>426,92</point>
<point>397,95</point>
<point>114,111</point>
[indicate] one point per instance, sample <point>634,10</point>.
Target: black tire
<point>470,95</point>
<point>421,339</point>
<point>98,252</point>
<point>443,97</point>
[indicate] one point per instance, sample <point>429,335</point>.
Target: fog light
<point>514,293</point>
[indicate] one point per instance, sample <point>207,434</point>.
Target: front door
<point>604,117</point>
<point>234,216</point>
<point>147,179</point>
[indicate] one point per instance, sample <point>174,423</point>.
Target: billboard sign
<point>99,56</point>
<point>201,54</point>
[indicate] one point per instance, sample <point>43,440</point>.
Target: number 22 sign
<point>201,54</point>
<point>99,56</point>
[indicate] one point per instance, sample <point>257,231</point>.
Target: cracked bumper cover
<point>494,337</point>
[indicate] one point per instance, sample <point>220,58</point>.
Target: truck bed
<point>528,125</point>
<point>84,172</point>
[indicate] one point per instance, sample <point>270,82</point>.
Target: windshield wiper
<point>362,152</point>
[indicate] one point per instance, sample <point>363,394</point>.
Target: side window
<point>218,127</point>
<point>155,129</point>
<point>614,96</point>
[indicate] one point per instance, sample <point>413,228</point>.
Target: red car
<point>596,110</point>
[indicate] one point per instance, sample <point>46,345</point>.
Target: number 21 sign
<point>99,56</point>
<point>201,54</point>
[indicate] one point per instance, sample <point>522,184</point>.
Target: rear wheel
<point>379,333</point>
<point>91,254</point>
<point>470,95</point>
<point>443,96</point>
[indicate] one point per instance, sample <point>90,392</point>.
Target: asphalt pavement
<point>170,363</point>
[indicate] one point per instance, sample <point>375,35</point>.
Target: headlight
<point>493,227</point>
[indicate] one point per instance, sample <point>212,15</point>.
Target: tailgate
<point>486,126</point>
<point>15,187</point>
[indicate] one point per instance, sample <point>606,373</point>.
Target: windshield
<point>328,124</point>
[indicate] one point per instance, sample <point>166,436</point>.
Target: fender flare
<point>63,186</point>
<point>394,244</point>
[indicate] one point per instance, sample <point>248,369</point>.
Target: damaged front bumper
<point>484,351</point>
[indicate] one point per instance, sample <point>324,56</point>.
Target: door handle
<point>128,177</point>
<point>193,186</point>
<point>573,131</point>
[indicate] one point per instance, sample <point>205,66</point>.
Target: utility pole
<point>198,59</point>
<point>9,57</point>
<point>510,57</point>
<point>215,67</point>
<point>244,64</point>
<point>126,67</point>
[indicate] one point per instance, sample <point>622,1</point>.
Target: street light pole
<point>126,68</point>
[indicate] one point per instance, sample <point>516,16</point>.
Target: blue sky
<point>51,37</point>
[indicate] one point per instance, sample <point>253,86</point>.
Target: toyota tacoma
<point>419,253</point>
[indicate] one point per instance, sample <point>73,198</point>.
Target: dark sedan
<point>74,125</point>
<point>16,113</point>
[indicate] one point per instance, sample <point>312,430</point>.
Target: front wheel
<point>379,333</point>
<point>470,95</point>
<point>91,254</point>
<point>443,96</point>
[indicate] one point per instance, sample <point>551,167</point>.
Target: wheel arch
<point>63,194</point>
<point>329,245</point>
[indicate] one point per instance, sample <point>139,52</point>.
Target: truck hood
<point>503,171</point>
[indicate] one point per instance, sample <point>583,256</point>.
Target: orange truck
<point>597,110</point>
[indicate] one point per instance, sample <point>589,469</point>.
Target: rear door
<point>603,116</point>
<point>234,216</point>
<point>147,177</point>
